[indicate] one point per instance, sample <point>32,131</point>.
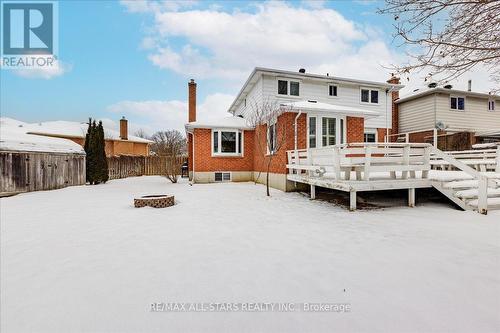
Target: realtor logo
<point>29,34</point>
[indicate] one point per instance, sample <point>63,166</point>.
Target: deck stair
<point>465,193</point>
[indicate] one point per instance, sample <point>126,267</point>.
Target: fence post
<point>406,160</point>
<point>407,137</point>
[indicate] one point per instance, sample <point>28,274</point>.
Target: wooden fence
<point>132,166</point>
<point>35,171</point>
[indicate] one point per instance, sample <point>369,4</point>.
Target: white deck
<point>390,166</point>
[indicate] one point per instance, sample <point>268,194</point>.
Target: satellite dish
<point>440,125</point>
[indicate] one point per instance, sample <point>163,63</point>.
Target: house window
<point>294,88</point>
<point>222,176</point>
<point>329,131</point>
<point>341,130</point>
<point>312,132</point>
<point>332,90</point>
<point>491,105</point>
<point>227,142</point>
<point>457,103</point>
<point>370,137</point>
<point>369,96</point>
<point>271,138</point>
<point>289,88</point>
<point>282,87</point>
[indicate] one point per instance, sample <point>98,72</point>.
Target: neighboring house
<point>451,111</point>
<point>319,111</point>
<point>117,143</point>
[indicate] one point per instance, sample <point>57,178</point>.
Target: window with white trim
<point>457,103</point>
<point>491,105</point>
<point>271,138</point>
<point>370,137</point>
<point>369,96</point>
<point>312,132</point>
<point>329,131</point>
<point>227,142</point>
<point>288,87</point>
<point>332,90</point>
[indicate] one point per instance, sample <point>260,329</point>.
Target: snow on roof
<point>427,91</point>
<point>75,129</point>
<point>226,122</point>
<point>13,137</point>
<point>309,105</point>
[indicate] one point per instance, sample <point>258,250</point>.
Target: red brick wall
<point>204,161</point>
<point>255,146</point>
<point>286,129</point>
<point>355,127</point>
<point>381,132</point>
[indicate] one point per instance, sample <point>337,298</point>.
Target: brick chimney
<point>191,101</point>
<point>123,128</point>
<point>395,110</point>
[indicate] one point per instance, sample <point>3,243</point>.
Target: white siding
<point>475,116</point>
<point>253,98</point>
<point>417,114</point>
<point>347,95</point>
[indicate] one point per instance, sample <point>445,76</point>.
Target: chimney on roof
<point>302,70</point>
<point>394,79</point>
<point>191,101</point>
<point>123,128</point>
<point>469,85</point>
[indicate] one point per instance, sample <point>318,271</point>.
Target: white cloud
<point>48,72</point>
<point>221,44</point>
<point>143,6</point>
<point>163,115</point>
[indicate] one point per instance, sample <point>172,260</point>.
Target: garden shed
<point>32,163</point>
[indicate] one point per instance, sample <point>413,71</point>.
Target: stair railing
<point>482,205</point>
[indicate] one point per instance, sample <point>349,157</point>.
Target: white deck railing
<point>366,159</point>
<point>479,159</point>
<point>363,158</point>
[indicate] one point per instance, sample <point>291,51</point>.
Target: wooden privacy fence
<point>131,166</point>
<point>35,171</point>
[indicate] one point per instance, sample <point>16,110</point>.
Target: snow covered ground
<point>82,259</point>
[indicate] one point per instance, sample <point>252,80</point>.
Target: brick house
<point>318,111</point>
<point>116,142</point>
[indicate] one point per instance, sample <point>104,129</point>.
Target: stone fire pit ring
<point>155,201</point>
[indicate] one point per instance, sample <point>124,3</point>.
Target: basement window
<point>227,142</point>
<point>222,176</point>
<point>457,103</point>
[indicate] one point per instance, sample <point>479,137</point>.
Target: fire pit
<point>156,201</point>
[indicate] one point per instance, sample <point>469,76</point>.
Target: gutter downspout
<point>295,128</point>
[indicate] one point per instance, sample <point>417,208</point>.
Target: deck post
<point>352,201</point>
<point>411,197</point>
<point>368,161</point>
<point>313,192</point>
<point>406,160</point>
<point>482,199</point>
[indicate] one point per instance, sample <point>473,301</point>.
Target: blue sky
<point>134,58</point>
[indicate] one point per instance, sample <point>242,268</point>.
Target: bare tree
<point>450,36</point>
<point>270,134</point>
<point>172,145</point>
<point>141,133</point>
